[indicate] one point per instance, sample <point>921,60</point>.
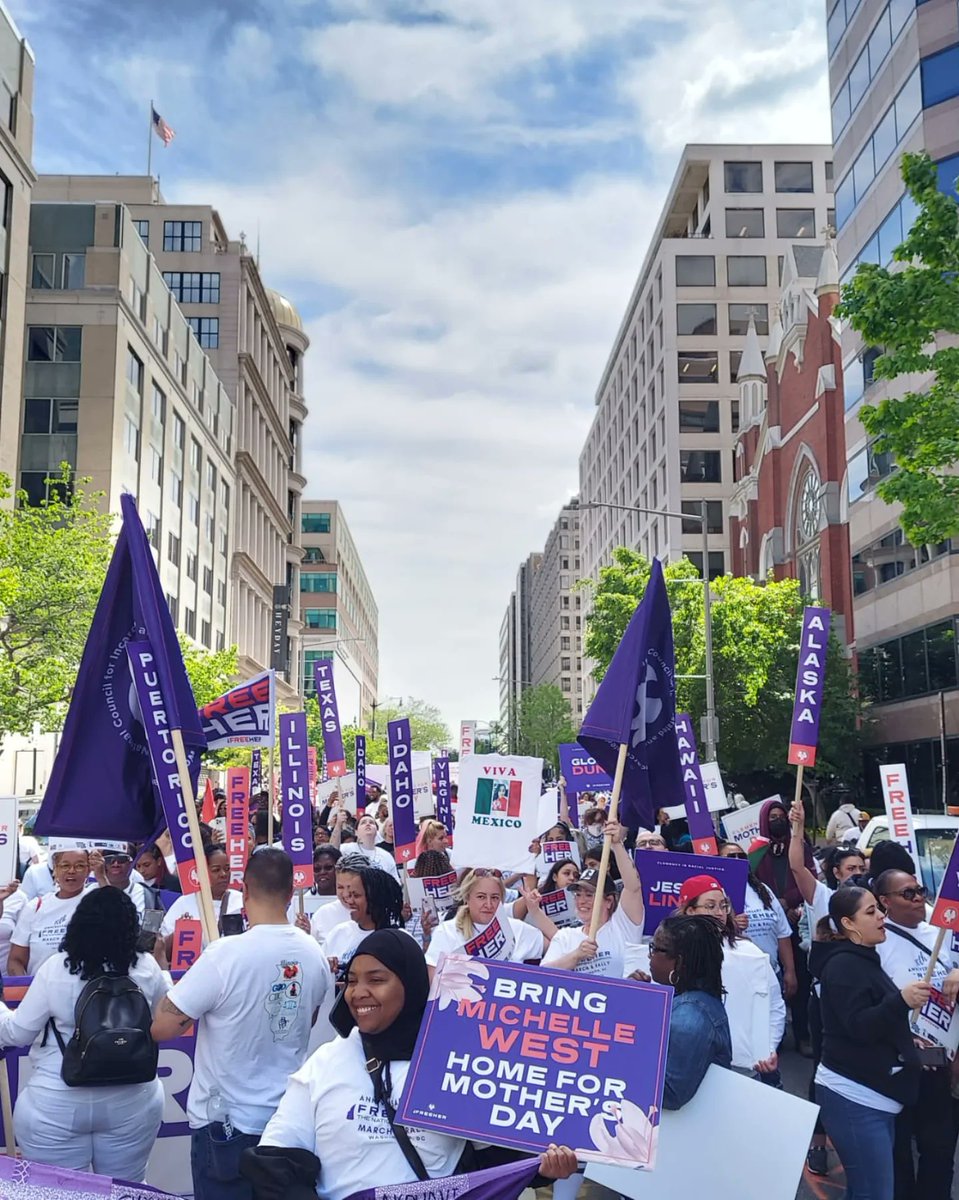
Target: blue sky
<point>457,195</point>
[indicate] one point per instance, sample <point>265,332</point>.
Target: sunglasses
<point>487,873</point>
<point>116,859</point>
<point>910,893</point>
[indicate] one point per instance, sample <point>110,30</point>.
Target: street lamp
<point>711,730</point>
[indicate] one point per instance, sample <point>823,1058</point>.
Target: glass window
<point>915,679</point>
<point>699,416</point>
<point>695,270</point>
<point>181,235</point>
<point>143,229</point>
<point>941,656</point>
<point>858,79</point>
<point>879,42</point>
<point>315,522</point>
<point>692,319</point>
<point>317,581</point>
<point>836,26</point>
<point>940,76</point>
<point>159,405</point>
<point>909,103</point>
<point>857,476</point>
<point>131,437</point>
<point>863,171</point>
<point>884,140</point>
<point>746,270</point>
<point>700,466</point>
<point>319,618</point>
<point>73,271</point>
<point>794,177</point>
<point>948,171</point>
<point>739,315</point>
<point>134,372</point>
<point>845,201</point>
<point>795,222</point>
<point>714,516</point>
<point>890,235</point>
<point>717,564</point>
<point>899,11</point>
<point>44,271</point>
<point>53,343</point>
<point>745,223</point>
<point>206,331</point>
<point>698,366</point>
<point>735,358</point>
<point>889,671</point>
<point>840,110</point>
<point>743,176</point>
<point>852,382</point>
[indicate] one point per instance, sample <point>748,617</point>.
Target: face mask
<point>778,828</point>
<point>595,830</point>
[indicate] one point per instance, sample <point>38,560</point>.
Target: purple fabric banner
<point>399,746</point>
<point>297,820</point>
<point>581,771</point>
<point>25,1180</point>
<point>525,1056</point>
<point>334,756</point>
<point>810,678</point>
<point>497,1183</point>
<point>444,797</point>
<point>701,828</point>
<point>155,718</point>
<point>256,774</point>
<point>360,759</point>
<point>663,874</point>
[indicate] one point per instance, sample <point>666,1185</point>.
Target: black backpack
<point>111,1042</point>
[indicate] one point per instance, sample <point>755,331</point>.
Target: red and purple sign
<point>399,746</point>
<point>360,758</point>
<point>237,822</point>
<point>810,678</point>
<point>663,875</point>
<point>444,797</point>
<point>581,771</point>
<point>334,756</point>
<point>701,828</point>
<point>295,796</point>
<point>945,913</point>
<point>242,717</point>
<point>524,1057</point>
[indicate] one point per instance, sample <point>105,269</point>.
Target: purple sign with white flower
<point>524,1057</point>
<point>810,678</point>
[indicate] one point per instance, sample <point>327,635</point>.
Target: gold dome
<point>284,312</point>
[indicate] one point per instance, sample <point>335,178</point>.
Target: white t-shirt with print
<point>189,906</point>
<point>253,997</point>
<point>8,922</point>
<point>377,858</point>
<point>329,1110</point>
<point>447,939</point>
<point>904,963</point>
<point>41,926</point>
<point>766,925</point>
<point>327,918</point>
<point>341,942</point>
<point>617,940</point>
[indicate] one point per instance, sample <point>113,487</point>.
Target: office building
<point>556,635</point>
<point>338,610</point>
<point>255,342</point>
<point>894,87</point>
<point>516,644</point>
<point>667,404</point>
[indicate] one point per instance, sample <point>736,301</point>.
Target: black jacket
<point>865,1021</point>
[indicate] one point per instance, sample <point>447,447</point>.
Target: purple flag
<point>256,777</point>
<point>295,796</point>
<point>360,759</point>
<point>444,797</point>
<point>398,742</point>
<point>945,913</point>
<point>581,771</point>
<point>101,783</point>
<point>701,828</point>
<point>334,757</point>
<point>635,706</point>
<point>810,677</point>
<point>497,1183</point>
<point>25,1180</point>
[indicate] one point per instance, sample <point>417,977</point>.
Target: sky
<point>457,195</point>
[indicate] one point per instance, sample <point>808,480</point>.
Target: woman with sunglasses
<point>932,1123</point>
<point>480,896</point>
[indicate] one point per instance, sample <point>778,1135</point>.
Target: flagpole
<point>189,803</point>
<point>150,142</point>
<point>6,1106</point>
<point>269,801</point>
<point>598,899</point>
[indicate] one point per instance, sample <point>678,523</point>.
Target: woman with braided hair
<point>374,900</point>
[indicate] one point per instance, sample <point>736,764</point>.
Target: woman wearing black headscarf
<point>334,1131</point>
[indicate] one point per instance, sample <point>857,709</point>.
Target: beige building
<point>516,645</point>
<point>16,183</point>
<point>894,87</point>
<point>667,405</point>
<point>556,635</point>
<point>338,610</point>
<point>255,341</point>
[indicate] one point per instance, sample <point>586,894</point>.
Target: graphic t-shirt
<point>41,926</point>
<point>447,939</point>
<point>617,940</point>
<point>904,962</point>
<point>254,997</point>
<point>342,940</point>
<point>189,906</point>
<point>766,925</point>
<point>8,922</point>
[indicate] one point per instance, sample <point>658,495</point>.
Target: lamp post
<point>711,732</point>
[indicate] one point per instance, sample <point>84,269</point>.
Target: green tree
<point>428,730</point>
<point>53,560</point>
<point>496,741</point>
<point>543,721</point>
<point>211,672</point>
<point>756,631</point>
<point>902,311</point>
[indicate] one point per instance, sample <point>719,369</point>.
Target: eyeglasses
<point>487,873</point>
<point>717,906</point>
<point>910,893</point>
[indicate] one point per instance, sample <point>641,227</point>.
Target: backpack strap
<point>916,942</point>
<point>51,1024</point>
<point>382,1086</point>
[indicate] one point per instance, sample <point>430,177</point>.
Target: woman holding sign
<point>482,927</point>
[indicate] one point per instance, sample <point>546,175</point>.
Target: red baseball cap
<point>696,886</point>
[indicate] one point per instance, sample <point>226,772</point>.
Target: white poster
<point>345,786</point>
<point>467,738</point>
<point>548,811</point>
<point>742,824</point>
<point>895,794</point>
<point>498,811</point>
<point>423,802</point>
<point>8,839</point>
<point>715,791</point>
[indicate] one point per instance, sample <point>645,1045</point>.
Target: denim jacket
<point>698,1036</point>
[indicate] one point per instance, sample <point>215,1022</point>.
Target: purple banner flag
<point>295,797</point>
<point>398,742</point>
<point>701,828</point>
<point>21,1179</point>
<point>524,1057</point>
<point>945,912</point>
<point>444,797</point>
<point>496,1183</point>
<point>810,678</point>
<point>334,756</point>
<point>581,771</point>
<point>635,706</point>
<point>256,779</point>
<point>360,759</point>
<point>663,875</point>
<point>101,784</point>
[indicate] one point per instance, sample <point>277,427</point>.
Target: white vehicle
<point>935,837</point>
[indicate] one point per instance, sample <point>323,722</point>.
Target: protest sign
<point>715,792</point>
<point>559,907</point>
<point>697,1136</point>
<point>359,775</point>
<point>663,874</point>
<point>895,794</point>
<point>524,1057</point>
<point>187,943</point>
<point>398,742</point>
<point>554,852</point>
<point>581,771</point>
<point>810,679</point>
<point>58,844</point>
<point>495,942</point>
<point>314,769</point>
<point>423,802</point>
<point>256,773</point>
<point>334,757</point>
<point>498,811</point>
<point>945,912</point>
<point>243,716</point>
<point>237,823</point>
<point>742,824</point>
<point>344,786</point>
<point>444,797</point>
<point>295,797</point>
<point>701,829</point>
<point>548,812</point>
<point>467,738</point>
<point>506,1182</point>
<point>9,850</point>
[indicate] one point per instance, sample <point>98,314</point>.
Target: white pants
<point>108,1130</point>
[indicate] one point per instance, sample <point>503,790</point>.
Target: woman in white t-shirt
<point>12,900</point>
<point>480,894</point>
<point>226,900</point>
<point>109,1130</point>
<point>367,831</point>
<point>374,901</point>
<point>334,1130</point>
<point>43,922</point>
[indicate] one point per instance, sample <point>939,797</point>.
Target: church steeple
<point>751,378</point>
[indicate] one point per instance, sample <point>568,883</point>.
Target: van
<point>935,837</point>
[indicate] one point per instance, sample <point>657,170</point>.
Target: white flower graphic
<point>633,1137</point>
<point>456,980</point>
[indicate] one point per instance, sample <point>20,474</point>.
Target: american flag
<point>162,129</point>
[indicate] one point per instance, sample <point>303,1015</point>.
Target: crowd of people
<point>325,993</point>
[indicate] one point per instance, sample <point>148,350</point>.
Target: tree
<point>53,560</point>
<point>756,631</point>
<point>211,672</point>
<point>902,312</point>
<point>495,741</point>
<point>428,730</point>
<point>543,721</point>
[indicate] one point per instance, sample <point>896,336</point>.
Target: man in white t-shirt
<point>254,998</point>
<point>114,868</point>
